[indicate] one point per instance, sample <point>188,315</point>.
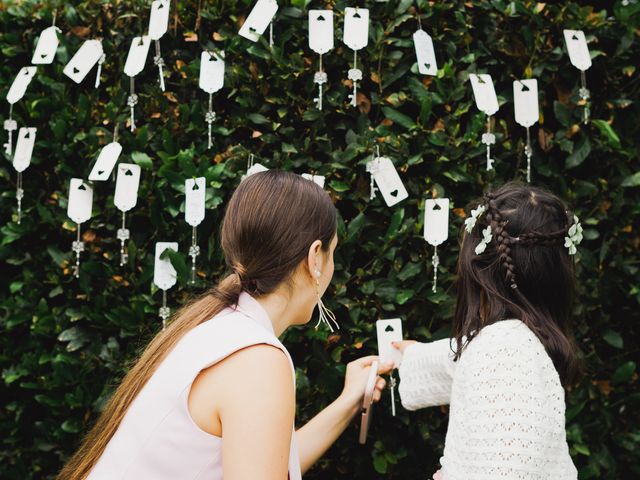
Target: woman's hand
<point>355,381</point>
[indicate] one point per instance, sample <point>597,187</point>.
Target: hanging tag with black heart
<point>356,37</point>
<point>164,276</point>
<point>211,80</point>
<point>525,100</point>
<point>79,208</point>
<point>321,42</point>
<point>436,230</point>
<point>259,19</point>
<point>22,160</point>
<point>158,26</point>
<point>89,53</point>
<point>580,58</point>
<point>194,209</point>
<point>388,181</point>
<point>487,102</point>
<point>125,198</point>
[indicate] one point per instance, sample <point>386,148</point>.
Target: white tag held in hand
<point>164,275</point>
<point>45,50</point>
<point>321,31</point>
<point>137,56</point>
<point>388,180</point>
<point>259,19</point>
<point>107,159</point>
<point>436,220</point>
<point>84,60</point>
<point>24,148</point>
<point>525,99</point>
<point>356,28</point>
<point>578,49</point>
<point>195,191</point>
<point>211,71</point>
<point>484,93</point>
<point>424,53</point>
<point>127,183</point>
<point>159,19</point>
<point>20,84</point>
<point>389,331</point>
<point>80,201</point>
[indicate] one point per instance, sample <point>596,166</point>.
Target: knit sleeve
<point>426,374</point>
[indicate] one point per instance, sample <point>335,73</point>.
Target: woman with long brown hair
<point>213,395</point>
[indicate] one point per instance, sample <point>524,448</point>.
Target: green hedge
<point>66,341</point>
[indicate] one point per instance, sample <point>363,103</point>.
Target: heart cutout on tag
<point>82,187</point>
<point>213,58</point>
<point>574,37</point>
<point>26,72</point>
<point>320,18</point>
<point>161,5</point>
<point>428,65</point>
<point>389,329</point>
<point>524,88</point>
<point>140,42</point>
<point>356,15</point>
<point>437,207</point>
<point>76,70</point>
<point>480,79</point>
<point>251,29</point>
<point>128,172</point>
<point>43,55</point>
<point>100,172</point>
<point>28,135</point>
<point>394,193</point>
<point>195,186</point>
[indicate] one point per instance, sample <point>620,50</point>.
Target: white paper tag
<point>356,27</point>
<point>46,48</point>
<point>436,220</point>
<point>424,53</point>
<point>106,161</point>
<point>255,168</point>
<point>578,49</point>
<point>20,84</point>
<point>127,183</point>
<point>137,56</point>
<point>389,331</point>
<point>195,191</point>
<point>164,275</point>
<point>321,30</point>
<point>484,93</point>
<point>80,201</point>
<point>159,19</point>
<point>318,179</point>
<point>388,180</point>
<point>84,60</point>
<point>259,19</point>
<point>525,100</point>
<point>24,148</point>
<point>211,71</point>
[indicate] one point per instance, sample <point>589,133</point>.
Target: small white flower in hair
<point>470,222</point>
<point>574,236</point>
<point>486,238</point>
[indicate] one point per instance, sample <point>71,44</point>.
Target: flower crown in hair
<point>574,236</point>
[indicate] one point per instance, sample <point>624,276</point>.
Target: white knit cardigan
<point>507,411</point>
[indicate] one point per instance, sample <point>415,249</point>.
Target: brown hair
<point>271,221</point>
<point>525,272</point>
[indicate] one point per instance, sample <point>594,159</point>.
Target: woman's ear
<point>314,259</point>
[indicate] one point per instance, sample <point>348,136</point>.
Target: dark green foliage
<point>65,342</point>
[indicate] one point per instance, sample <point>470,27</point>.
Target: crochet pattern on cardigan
<point>507,410</point>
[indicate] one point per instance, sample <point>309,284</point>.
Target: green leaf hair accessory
<point>574,237</point>
<point>486,238</point>
<point>470,222</point>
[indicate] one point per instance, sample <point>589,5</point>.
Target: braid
<point>503,242</point>
<point>544,239</point>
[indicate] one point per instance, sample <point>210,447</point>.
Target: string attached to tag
<point>132,101</point>
<point>271,34</point>
<point>585,95</point>
<point>489,139</point>
<point>159,62</point>
<point>210,117</point>
<point>99,71</point>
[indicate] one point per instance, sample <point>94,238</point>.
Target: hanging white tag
<point>80,201</point>
<point>259,19</point>
<point>318,179</point>
<point>484,93</point>
<point>45,50</point>
<point>106,161</point>
<point>356,27</point>
<point>255,168</point>
<point>195,191</point>
<point>159,18</point>
<point>24,148</point>
<point>164,275</point>
<point>389,331</point>
<point>321,30</point>
<point>525,99</point>
<point>424,53</point>
<point>84,60</point>
<point>436,220</point>
<point>20,84</point>
<point>137,56</point>
<point>578,49</point>
<point>127,183</point>
<point>388,181</point>
<point>211,71</point>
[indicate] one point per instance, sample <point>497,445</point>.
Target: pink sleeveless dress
<point>158,439</point>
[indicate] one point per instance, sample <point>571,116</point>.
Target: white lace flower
<point>486,238</point>
<point>574,236</point>
<point>470,222</point>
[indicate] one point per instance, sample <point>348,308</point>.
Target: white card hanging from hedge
<point>89,53</point>
<point>46,47</point>
<point>158,26</point>
<point>321,42</point>
<point>211,80</point>
<point>253,167</point>
<point>581,59</point>
<point>436,230</point>
<point>525,100</point>
<point>79,210</point>
<point>425,54</point>
<point>195,192</point>
<point>164,276</point>
<point>125,198</point>
<point>136,59</point>
<point>487,102</point>
<point>107,159</point>
<point>259,19</point>
<point>22,159</point>
<point>318,179</point>
<point>385,176</point>
<point>356,37</point>
<point>15,94</point>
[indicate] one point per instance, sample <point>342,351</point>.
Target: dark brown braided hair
<point>525,272</point>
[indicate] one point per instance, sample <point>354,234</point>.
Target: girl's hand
<point>403,344</point>
<point>355,381</point>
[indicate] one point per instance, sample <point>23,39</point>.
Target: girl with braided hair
<point>511,350</point>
